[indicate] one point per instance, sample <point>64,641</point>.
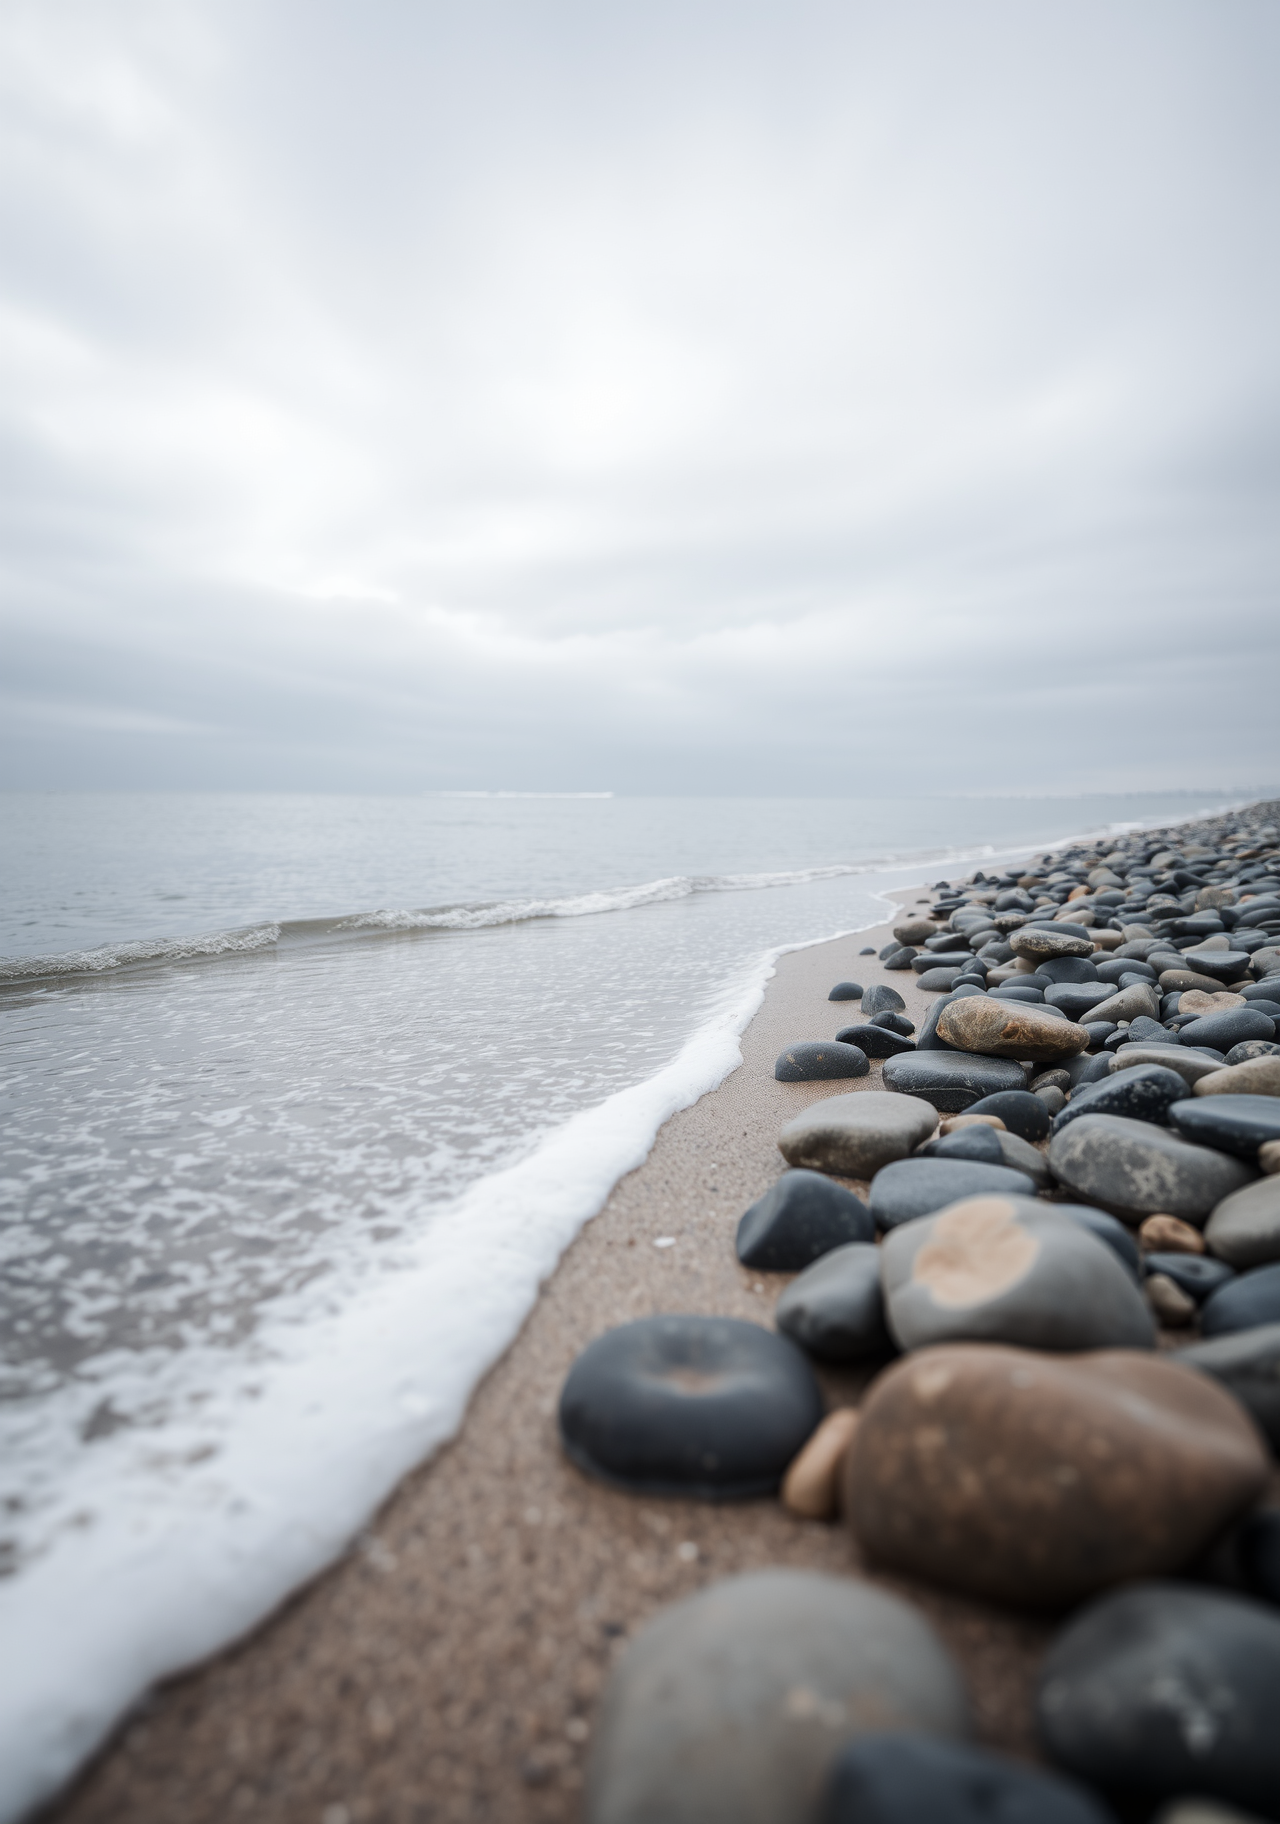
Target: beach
<point>449,1665</point>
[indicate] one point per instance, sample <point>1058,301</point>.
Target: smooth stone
<point>1050,1079</point>
<point>1233,1124</point>
<point>1172,1307</point>
<point>913,1779</point>
<point>731,1706</point>
<point>1076,999</point>
<point>1112,970</point>
<point>1023,1157</point>
<point>894,1022</point>
<point>1132,1003</point>
<point>1023,1477</point>
<point>1052,1097</point>
<point>1196,1274</point>
<point>901,958</point>
<point>867,950</point>
<point>940,959</point>
<point>1136,1169</point>
<point>1260,991</point>
<point>1040,944</point>
<point>1099,1032</point>
<point>975,1142</point>
<point>854,1135</point>
<point>1247,1363</point>
<point>1077,970</point>
<point>1198,1002</point>
<point>1223,1030</point>
<point>1253,1077</point>
<point>938,981</point>
<point>1220,965</point>
<point>1144,1094</point>
<point>1244,1229</point>
<point>1014,991</point>
<point>708,1407</point>
<point>1269,1157</point>
<point>1170,1057</point>
<point>951,1080</point>
<point>835,1308</point>
<point>880,998</point>
<point>811,1487</point>
<point>915,931</point>
<point>996,1030</point>
<point>1166,1234</point>
<point>911,1188</point>
<point>1143,1031</point>
<point>800,1218</point>
<point>928,1039</point>
<point>1108,1229</point>
<point>1006,1269</point>
<point>1164,1690</point>
<point>875,1041</point>
<point>1267,1004</point>
<point>1179,981</point>
<point>819,1061</point>
<point>846,991</point>
<point>1022,1113</point>
<point>1249,1301</point>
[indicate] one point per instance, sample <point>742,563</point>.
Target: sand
<point>449,1666</point>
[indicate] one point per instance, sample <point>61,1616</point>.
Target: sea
<point>303,1098</point>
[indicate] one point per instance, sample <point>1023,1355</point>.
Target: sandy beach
<point>448,1667</point>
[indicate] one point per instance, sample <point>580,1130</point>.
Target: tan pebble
<point>1255,1077</point>
<point>1195,1000</point>
<point>811,1487</point>
<point>1269,1156</point>
<point>1173,1307</point>
<point>1169,1235</point>
<point>954,1123</point>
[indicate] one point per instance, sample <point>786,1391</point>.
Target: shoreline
<point>447,1666</point>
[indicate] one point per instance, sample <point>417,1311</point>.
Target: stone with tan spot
<point>1040,1479</point>
<point>1009,1270</point>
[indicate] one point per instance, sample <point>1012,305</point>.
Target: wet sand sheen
<point>448,1667</point>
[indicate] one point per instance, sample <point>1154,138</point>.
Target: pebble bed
<point>1065,1281</point>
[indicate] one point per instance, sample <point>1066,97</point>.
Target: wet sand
<point>449,1666</point>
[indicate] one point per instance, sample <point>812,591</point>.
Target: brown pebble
<point>1255,1077</point>
<point>1169,1235</point>
<point>1195,1000</point>
<point>811,1487</point>
<point>1173,1307</point>
<point>1006,1029</point>
<point>954,1123</point>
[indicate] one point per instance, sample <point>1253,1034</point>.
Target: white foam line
<point>346,1406</point>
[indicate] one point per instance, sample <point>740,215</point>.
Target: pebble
<point>915,931</point>
<point>1022,1477</point>
<point>1164,1690</point>
<point>1179,980</point>
<point>1076,999</point>
<point>1060,970</point>
<point>1167,1234</point>
<point>847,991</point>
<point>800,1218</point>
<point>1023,1157</point>
<point>1244,1229</point>
<point>975,1141</point>
<point>875,1041</point>
<point>1190,1067</point>
<point>1021,1112</point>
<point>709,1407</point>
<point>811,1487</point>
<point>730,1706</point>
<point>1269,1157</point>
<point>1144,1094</point>
<point>928,1039</point>
<point>1219,965</point>
<point>1250,1077</point>
<point>1052,1097</point>
<point>956,1124</point>
<point>835,1308</point>
<point>819,1060</point>
<point>867,950</point>
<point>1109,1229</point>
<point>1132,1003</point>
<point>900,957</point>
<point>1005,1269</point>
<point>1223,1030</point>
<point>1000,1030</point>
<point>1173,1307</point>
<point>910,1188</point>
<point>914,1779</point>
<point>1040,944</point>
<point>1249,1301</point>
<point>1197,1274</point>
<point>894,1022</point>
<point>1198,1002</point>
<point>951,1080</point>
<point>854,1135</point>
<point>1136,1169</point>
<point>1234,1124</point>
<point>1248,1363</point>
<point>880,998</point>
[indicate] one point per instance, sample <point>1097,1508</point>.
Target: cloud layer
<point>834,398</point>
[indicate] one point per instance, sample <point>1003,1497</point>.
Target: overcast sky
<point>801,397</point>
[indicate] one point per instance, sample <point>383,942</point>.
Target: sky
<point>806,398</point>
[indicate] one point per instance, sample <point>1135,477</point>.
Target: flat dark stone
<point>919,1779</point>
<point>834,1309</point>
<point>704,1406</point>
<point>938,981</point>
<point>941,959</point>
<point>952,1080</point>
<point>820,1060</point>
<point>981,1145</point>
<point>1247,1362</point>
<point>875,1041</point>
<point>1113,969</point>
<point>1074,969</point>
<point>1232,1124</point>
<point>1015,991</point>
<point>1223,1030</point>
<point>1247,1302</point>
<point>1145,1093</point>
<point>804,1215</point>
<point>1099,1032</point>
<point>1161,1690</point>
<point>846,991</point>
<point>880,998</point>
<point>1022,1113</point>
<point>1107,1228</point>
<point>1197,1274</point>
<point>1222,965</point>
<point>898,1022</point>
<point>1076,998</point>
<point>1146,1031</point>
<point>901,958</point>
<point>917,1187</point>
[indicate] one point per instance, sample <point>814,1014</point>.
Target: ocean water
<point>302,1099</point>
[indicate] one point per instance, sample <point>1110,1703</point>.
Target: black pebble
<point>898,1022</point>
<point>1223,1030</point>
<point>846,991</point>
<point>1197,1274</point>
<point>1258,1554</point>
<point>804,1215</point>
<point>1245,1302</point>
<point>1145,1092</point>
<point>1107,1228</point>
<point>867,950</point>
<point>880,998</point>
<point>1069,969</point>
<point>1233,1124</point>
<point>875,1041</point>
<point>899,959</point>
<point>921,1779</point>
<point>1022,1113</point>
<point>835,1310</point>
<point>981,1144</point>
<point>705,1406</point>
<point>917,1187</point>
<point>818,1060</point>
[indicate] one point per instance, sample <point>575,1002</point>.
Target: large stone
<point>1246,1303</point>
<point>1040,944</point>
<point>951,1080</point>
<point>1190,1066</point>
<point>912,1779</point>
<point>1244,1229</point>
<point>1233,1124</point>
<point>1221,965</point>
<point>915,931</point>
<point>835,1308</point>
<point>731,1706</point>
<point>1144,1094</point>
<point>1247,1363</point>
<point>803,1216</point>
<point>1253,1077</point>
<point>1005,1269</point>
<point>1022,1113</point>
<point>1136,1169</point>
<point>1039,1479</point>
<point>818,1061</point>
<point>996,1029</point>
<point>1166,1689</point>
<point>912,1188</point>
<point>705,1406</point>
<point>855,1135</point>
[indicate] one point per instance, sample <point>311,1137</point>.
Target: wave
<point>140,950</point>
